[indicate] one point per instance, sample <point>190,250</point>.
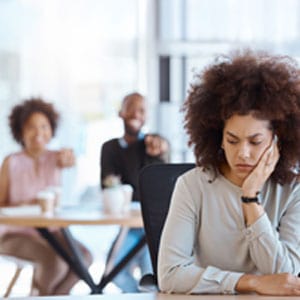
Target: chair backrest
<point>156,184</point>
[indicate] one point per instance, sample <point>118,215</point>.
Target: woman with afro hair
<point>234,220</point>
<point>23,174</point>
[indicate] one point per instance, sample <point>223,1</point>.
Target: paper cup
<point>127,192</point>
<point>57,192</point>
<point>46,201</point>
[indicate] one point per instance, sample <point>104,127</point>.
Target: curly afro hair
<point>21,112</point>
<point>246,82</point>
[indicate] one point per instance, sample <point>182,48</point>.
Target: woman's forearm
<point>246,283</point>
<point>252,212</point>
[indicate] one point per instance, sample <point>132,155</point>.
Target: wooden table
<point>159,296</point>
<point>74,216</point>
<point>79,216</point>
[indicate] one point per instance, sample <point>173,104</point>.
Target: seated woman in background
<point>233,224</point>
<point>23,174</point>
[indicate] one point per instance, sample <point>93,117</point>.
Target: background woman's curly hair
<point>246,82</point>
<point>21,112</point>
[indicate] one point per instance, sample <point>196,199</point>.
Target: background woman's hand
<point>65,158</point>
<point>264,168</point>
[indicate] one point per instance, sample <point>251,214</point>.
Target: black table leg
<point>73,258</point>
<point>114,249</point>
<point>78,259</point>
<point>124,261</point>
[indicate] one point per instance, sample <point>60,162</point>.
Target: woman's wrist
<point>247,283</point>
<point>250,193</point>
<point>252,212</point>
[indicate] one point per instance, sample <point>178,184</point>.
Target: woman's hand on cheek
<point>263,170</point>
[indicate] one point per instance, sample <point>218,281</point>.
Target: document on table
<point>23,210</point>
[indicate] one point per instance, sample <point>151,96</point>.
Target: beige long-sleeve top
<point>205,245</point>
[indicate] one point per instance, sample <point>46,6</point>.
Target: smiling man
<point>125,157</point>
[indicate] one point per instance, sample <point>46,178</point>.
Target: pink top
<point>27,179</point>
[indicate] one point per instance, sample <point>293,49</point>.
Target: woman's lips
<point>244,167</point>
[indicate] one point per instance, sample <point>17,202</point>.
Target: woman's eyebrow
<point>231,134</point>
<point>249,137</point>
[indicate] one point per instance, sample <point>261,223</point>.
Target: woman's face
<point>37,132</point>
<point>245,139</point>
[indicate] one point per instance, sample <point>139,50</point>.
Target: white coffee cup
<point>127,192</point>
<point>113,200</point>
<point>46,201</point>
<point>57,190</point>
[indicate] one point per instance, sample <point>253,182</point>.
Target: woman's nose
<point>38,131</point>
<point>244,151</point>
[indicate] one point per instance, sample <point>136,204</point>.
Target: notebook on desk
<point>23,210</point>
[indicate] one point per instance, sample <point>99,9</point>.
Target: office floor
<point>97,238</point>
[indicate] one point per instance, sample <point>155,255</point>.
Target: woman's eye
<point>255,143</point>
<point>233,142</point>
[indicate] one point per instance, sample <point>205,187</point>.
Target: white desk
<point>159,296</point>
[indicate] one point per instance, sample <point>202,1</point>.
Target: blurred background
<point>85,55</point>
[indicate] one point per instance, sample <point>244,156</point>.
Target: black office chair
<point>156,184</point>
